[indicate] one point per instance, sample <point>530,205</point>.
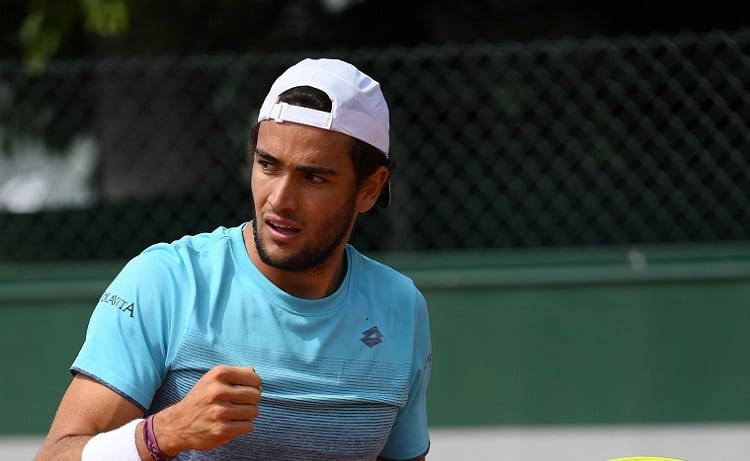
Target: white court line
<point>563,443</point>
<point>593,443</point>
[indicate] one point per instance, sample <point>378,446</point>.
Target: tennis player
<point>274,339</point>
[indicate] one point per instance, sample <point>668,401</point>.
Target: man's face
<point>305,195</point>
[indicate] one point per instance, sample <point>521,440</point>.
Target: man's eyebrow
<point>265,155</point>
<point>314,169</point>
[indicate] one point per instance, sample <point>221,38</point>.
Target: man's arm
<point>221,406</point>
<point>87,408</point>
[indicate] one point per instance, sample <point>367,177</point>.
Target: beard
<point>332,234</point>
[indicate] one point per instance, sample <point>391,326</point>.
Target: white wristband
<point>115,445</point>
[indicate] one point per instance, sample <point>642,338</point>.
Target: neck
<point>314,283</point>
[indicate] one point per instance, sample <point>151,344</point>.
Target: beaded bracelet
<point>150,440</point>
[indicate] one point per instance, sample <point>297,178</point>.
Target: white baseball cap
<point>359,108</point>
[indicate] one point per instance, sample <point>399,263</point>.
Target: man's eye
<point>265,165</point>
<point>315,179</point>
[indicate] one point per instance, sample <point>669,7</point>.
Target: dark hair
<point>365,157</point>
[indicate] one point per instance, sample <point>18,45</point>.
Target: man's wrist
<point>116,445</point>
<point>151,442</point>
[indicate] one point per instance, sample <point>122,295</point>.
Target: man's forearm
<point>121,444</point>
<point>68,448</point>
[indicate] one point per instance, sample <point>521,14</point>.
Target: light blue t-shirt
<point>344,377</point>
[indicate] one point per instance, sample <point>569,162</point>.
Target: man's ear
<point>370,189</point>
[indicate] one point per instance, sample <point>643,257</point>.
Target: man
<point>273,340</point>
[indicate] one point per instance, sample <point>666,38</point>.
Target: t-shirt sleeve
<point>127,340</point>
<point>410,438</point>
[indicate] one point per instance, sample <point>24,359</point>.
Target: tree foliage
<point>38,30</point>
<point>49,24</point>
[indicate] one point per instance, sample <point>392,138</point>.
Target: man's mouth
<point>282,229</point>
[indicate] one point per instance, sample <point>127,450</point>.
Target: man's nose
<point>284,193</point>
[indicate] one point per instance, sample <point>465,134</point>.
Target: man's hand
<point>221,406</point>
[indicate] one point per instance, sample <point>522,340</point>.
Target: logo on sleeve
<point>118,303</point>
<point>372,337</point>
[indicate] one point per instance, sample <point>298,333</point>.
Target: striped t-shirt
<point>344,377</point>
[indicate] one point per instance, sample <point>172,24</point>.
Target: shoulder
<point>187,247</point>
<point>364,267</point>
<point>192,244</point>
<point>384,282</point>
<point>176,262</point>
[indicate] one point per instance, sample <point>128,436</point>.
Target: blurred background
<point>571,195</point>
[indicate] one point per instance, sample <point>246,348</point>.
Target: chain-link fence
<point>562,143</point>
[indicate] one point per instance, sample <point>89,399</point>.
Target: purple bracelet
<point>149,438</point>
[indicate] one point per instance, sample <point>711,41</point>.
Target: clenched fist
<point>221,406</point>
